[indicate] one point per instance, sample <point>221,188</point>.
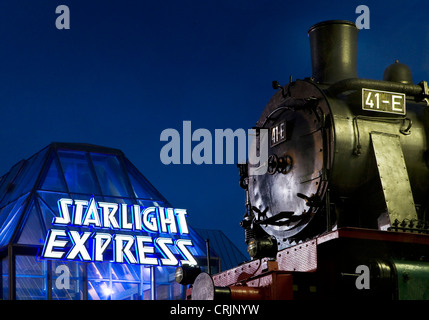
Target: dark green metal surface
<point>413,280</point>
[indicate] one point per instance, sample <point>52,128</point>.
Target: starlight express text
<point>132,245</point>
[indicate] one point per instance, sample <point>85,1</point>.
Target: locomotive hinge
<point>425,92</point>
<point>425,88</point>
<point>394,177</point>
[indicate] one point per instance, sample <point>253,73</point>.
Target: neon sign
<point>119,233</point>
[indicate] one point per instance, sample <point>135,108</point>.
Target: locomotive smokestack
<point>333,47</point>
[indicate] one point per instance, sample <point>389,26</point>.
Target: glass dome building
<point>80,222</point>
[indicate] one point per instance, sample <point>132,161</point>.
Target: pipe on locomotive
<point>333,46</point>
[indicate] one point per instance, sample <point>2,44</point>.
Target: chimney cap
<point>331,22</point>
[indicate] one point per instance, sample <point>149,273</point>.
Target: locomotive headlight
<point>186,274</point>
<point>252,248</point>
<point>260,248</point>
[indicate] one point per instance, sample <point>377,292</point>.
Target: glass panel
<point>2,180</point>
<point>125,291</point>
<point>162,292</point>
<point>26,179</point>
<point>4,213</point>
<point>110,175</point>
<point>120,201</point>
<point>161,275</point>
<point>152,203</point>
<point>199,248</point>
<point>108,281</point>
<point>12,194</point>
<point>77,172</point>
<point>99,270</point>
<point>67,280</point>
<point>32,233</point>
<point>30,288</point>
<point>178,291</point>
<point>10,224</point>
<point>165,284</point>
<point>146,274</point>
<point>31,280</point>
<point>142,188</point>
<point>126,272</point>
<point>48,206</point>
<point>99,290</point>
<point>223,247</point>
<point>6,185</point>
<point>146,291</point>
<point>5,277</point>
<point>54,179</point>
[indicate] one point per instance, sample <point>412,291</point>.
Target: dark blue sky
<point>126,70</point>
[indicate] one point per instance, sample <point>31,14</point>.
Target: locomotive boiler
<point>342,210</point>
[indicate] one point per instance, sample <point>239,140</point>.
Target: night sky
<point>126,70</point>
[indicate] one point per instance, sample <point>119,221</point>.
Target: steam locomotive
<point>342,210</point>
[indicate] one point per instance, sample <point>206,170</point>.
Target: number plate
<point>383,101</point>
<point>278,133</point>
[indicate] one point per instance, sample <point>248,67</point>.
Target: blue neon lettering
<point>52,242</point>
<point>102,241</point>
<point>182,244</point>
<point>92,215</point>
<point>146,248</point>
<point>142,250</point>
<point>79,248</point>
<point>64,211</point>
<point>181,220</point>
<point>169,258</point>
<point>96,243</point>
<point>122,251</point>
<point>125,224</point>
<point>137,221</point>
<point>108,213</point>
<point>152,225</point>
<point>78,212</point>
<point>105,215</point>
<point>167,220</point>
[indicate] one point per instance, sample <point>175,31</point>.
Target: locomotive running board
<point>394,179</point>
